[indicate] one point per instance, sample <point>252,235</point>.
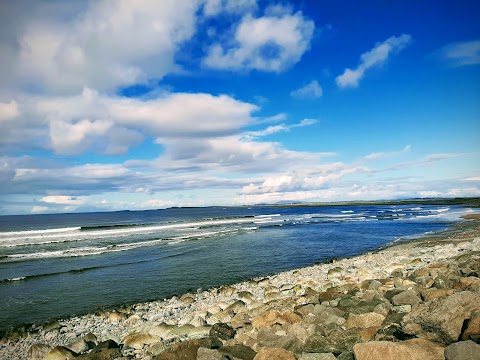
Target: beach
<point>420,297</point>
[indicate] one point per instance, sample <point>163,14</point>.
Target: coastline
<point>151,329</point>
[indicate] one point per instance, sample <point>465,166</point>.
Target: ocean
<point>59,265</point>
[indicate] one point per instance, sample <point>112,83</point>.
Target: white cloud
<point>462,53</point>
<point>269,43</point>
<point>312,90</point>
<point>63,200</point>
<point>278,128</point>
<point>472,178</point>
<point>382,155</point>
<point>104,45</point>
<point>40,209</point>
<point>215,7</point>
<point>156,204</point>
<point>374,57</point>
<point>9,110</point>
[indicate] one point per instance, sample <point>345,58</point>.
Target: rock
<point>38,351</point>
<point>364,321</point>
<point>334,273</point>
<point>402,309</point>
<point>433,294</point>
<point>414,349</point>
<point>238,351</point>
<point>442,320</point>
<point>473,327</point>
<point>79,346</point>
<point>374,285</point>
<point>241,320</point>
<point>317,356</point>
<point>90,339</point>
<point>382,309</point>
<point>221,316</point>
<point>132,320</point>
<point>60,353</point>
<point>162,330</point>
<point>275,317</point>
<point>115,317</point>
<point>187,350</point>
<point>330,338</point>
<point>105,354</point>
<point>442,282</point>
<point>139,340</point>
<point>468,283</point>
<point>274,353</point>
<point>51,326</point>
<point>274,295</point>
<point>463,350</point>
<point>346,355</point>
<point>407,297</point>
<point>236,307</point>
<point>222,331</point>
<point>108,344</point>
<point>209,354</point>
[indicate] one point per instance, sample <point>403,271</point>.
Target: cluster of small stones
<point>409,302</point>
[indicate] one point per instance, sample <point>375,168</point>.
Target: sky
<point>113,105</point>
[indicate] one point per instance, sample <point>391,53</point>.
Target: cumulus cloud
<point>273,42</point>
<point>462,53</point>
<point>374,57</point>
<point>104,45</point>
<point>312,90</point>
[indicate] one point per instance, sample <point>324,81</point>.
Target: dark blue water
<point>54,266</point>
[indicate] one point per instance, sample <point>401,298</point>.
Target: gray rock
<point>241,352</point>
<point>463,350</point>
<point>442,320</point>
<point>222,331</point>
<point>331,338</point>
<point>79,346</point>
<point>407,297</point>
<point>209,354</point>
<point>317,356</point>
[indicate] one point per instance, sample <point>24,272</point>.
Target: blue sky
<point>110,105</point>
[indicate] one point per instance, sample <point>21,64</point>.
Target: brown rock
<point>442,320</point>
<point>139,340</point>
<point>269,318</point>
<point>473,327</point>
<point>468,283</point>
<point>105,354</point>
<point>317,356</point>
<point>38,351</point>
<point>60,353</point>
<point>364,321</point>
<point>414,349</point>
<point>274,353</point>
<point>330,338</point>
<point>407,297</point>
<point>368,334</point>
<point>187,350</point>
<point>222,331</point>
<point>79,346</point>
<point>209,354</point>
<point>433,294</point>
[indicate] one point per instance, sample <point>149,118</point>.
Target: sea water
<point>58,265</point>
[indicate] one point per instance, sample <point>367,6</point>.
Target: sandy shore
<point>372,303</point>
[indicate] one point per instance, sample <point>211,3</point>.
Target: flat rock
<point>463,350</point>
<point>274,353</point>
<point>79,346</point>
<point>364,321</point>
<point>407,297</point>
<point>442,320</point>
<point>269,318</point>
<point>414,349</point>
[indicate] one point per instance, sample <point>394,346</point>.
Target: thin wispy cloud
<point>462,53</point>
<point>312,90</point>
<point>372,58</point>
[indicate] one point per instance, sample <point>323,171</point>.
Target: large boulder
<point>60,353</point>
<point>139,340</point>
<point>364,321</point>
<point>463,350</point>
<point>442,320</point>
<point>38,351</point>
<point>331,338</point>
<point>414,349</point>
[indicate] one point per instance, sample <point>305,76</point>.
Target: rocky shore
<point>416,300</point>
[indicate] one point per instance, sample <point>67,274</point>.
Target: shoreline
<point>193,315</point>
